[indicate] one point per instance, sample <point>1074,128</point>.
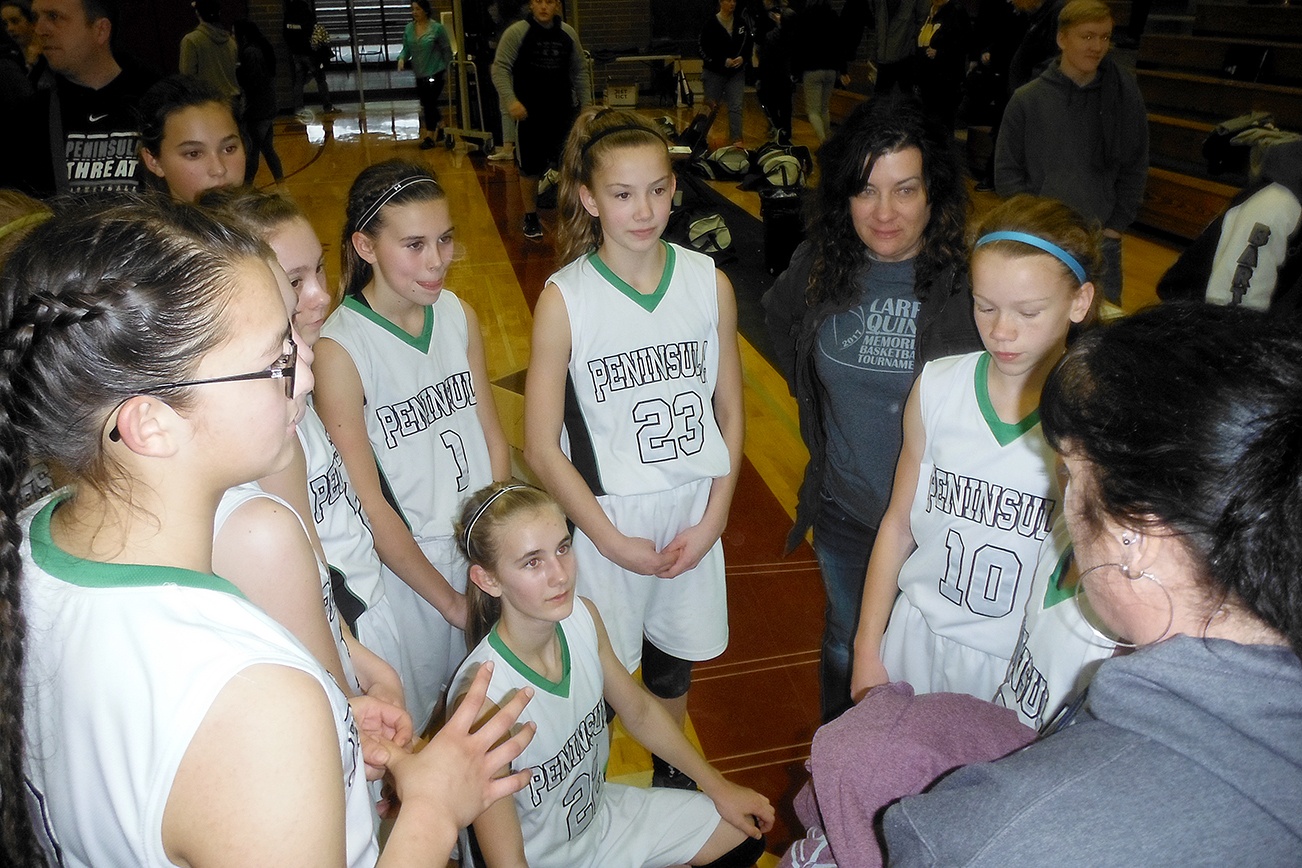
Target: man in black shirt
<point>83,134</point>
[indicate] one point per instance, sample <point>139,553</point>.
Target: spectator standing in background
<point>300,19</point>
<point>773,44</point>
<point>1079,133</point>
<point>817,36</point>
<point>426,47</point>
<point>504,13</point>
<point>727,41</point>
<point>540,76</point>
<point>82,134</point>
<point>941,59</point>
<point>209,53</point>
<point>1039,44</point>
<point>896,27</point>
<point>257,76</point>
<point>20,22</point>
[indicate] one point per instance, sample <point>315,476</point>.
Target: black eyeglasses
<point>284,368</point>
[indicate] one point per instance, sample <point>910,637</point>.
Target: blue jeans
<point>842,545</point>
<point>728,90</point>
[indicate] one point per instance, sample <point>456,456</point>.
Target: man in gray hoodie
<point>1079,133</point>
<point>209,52</point>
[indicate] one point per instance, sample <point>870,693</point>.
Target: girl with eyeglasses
<point>167,719</point>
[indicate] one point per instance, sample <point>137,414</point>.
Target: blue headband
<point>1047,246</point>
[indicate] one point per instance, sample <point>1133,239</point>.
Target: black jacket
<point>945,327</point>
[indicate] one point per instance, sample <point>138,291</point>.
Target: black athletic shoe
<point>666,776</point>
<point>428,144</point>
<point>984,186</point>
<point>532,226</point>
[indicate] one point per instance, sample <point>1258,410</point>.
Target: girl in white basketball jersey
<point>539,633</point>
<point>168,720</point>
<point>633,411</point>
<point>403,390</point>
<point>976,492</point>
<point>335,559</point>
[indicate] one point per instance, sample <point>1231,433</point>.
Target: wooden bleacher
<point>1239,58</point>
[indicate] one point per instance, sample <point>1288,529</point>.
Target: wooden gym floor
<point>754,710</point>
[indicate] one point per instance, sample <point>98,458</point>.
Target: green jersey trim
<point>69,568</point>
<point>420,342</point>
<point>557,688</point>
<point>1004,432</point>
<point>649,303</point>
<point>1057,592</point>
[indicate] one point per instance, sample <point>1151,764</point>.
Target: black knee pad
<point>744,855</point>
<point>665,675</point>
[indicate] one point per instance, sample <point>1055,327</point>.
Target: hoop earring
<point>1088,616</point>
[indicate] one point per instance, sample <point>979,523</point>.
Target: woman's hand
<point>733,62</point>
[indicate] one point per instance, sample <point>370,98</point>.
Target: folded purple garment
<point>894,744</point>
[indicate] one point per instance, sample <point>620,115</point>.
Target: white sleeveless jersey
<point>236,497</point>
<point>421,414</point>
<point>639,416</point>
<point>123,664</point>
<point>1057,653</point>
<point>340,522</point>
<point>569,752</point>
<point>570,817</point>
<point>986,500</point>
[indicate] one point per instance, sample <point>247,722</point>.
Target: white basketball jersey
<point>1057,652</point>
<point>236,497</point>
<point>421,413</point>
<point>986,500</point>
<point>123,663</point>
<point>639,416</point>
<point>569,752</point>
<point>340,521</point>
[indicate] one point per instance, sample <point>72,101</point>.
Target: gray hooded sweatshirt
<point>1191,754</point>
<point>210,53</point>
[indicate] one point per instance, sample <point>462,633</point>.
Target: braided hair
<point>95,307</point>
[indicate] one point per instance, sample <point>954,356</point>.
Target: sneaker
<point>502,154</point>
<point>428,143</point>
<point>666,776</point>
<point>984,186</point>
<point>532,226</point>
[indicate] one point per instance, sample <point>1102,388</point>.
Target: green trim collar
<point>557,688</point>
<point>1057,592</point>
<point>92,574</point>
<point>420,342</point>
<point>646,302</point>
<point>1004,432</point>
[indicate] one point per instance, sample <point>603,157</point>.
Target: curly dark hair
<point>877,127</point>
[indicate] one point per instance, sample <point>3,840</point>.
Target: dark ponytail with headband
<point>392,182</point>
